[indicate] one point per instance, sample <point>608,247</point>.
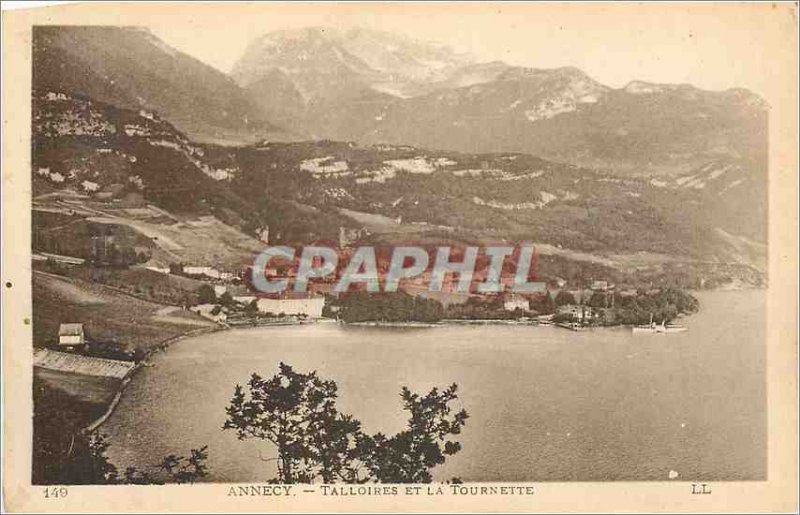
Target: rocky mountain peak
<point>356,57</point>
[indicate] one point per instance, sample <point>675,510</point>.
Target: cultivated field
<point>106,314</point>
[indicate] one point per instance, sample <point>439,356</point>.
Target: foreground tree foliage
<point>86,463</point>
<point>297,413</point>
<point>409,456</point>
<point>64,454</point>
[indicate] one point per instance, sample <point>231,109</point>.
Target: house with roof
<point>578,312</point>
<point>71,336</point>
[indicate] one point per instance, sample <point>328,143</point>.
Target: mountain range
<point>374,87</point>
<point>437,147</point>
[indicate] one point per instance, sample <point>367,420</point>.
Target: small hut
<point>71,336</point>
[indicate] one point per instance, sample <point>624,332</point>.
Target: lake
<point>545,403</point>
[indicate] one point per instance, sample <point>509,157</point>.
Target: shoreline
<point>269,324</point>
<point>163,346</point>
<point>95,424</point>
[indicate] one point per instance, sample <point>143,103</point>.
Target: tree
<point>563,317</point>
<point>408,456</point>
<point>172,468</point>
<point>549,304</point>
<point>545,304</point>
<point>186,470</point>
<point>564,297</point>
<point>226,299</point>
<point>390,307</point>
<point>206,294</point>
<point>297,414</point>
<point>252,307</point>
<point>599,300</point>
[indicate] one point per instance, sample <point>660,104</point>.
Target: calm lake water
<point>545,404</point>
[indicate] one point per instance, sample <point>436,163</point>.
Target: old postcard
<point>405,257</point>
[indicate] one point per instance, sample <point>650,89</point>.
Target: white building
<point>263,234</point>
<point>56,96</point>
<point>207,271</point>
<point>196,270</point>
<point>207,311</point>
<point>309,306</point>
<point>578,312</point>
<point>220,289</point>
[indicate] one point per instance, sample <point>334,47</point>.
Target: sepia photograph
<point>336,249</point>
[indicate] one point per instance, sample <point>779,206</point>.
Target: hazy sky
<point>710,46</point>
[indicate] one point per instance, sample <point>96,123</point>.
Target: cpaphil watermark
<point>482,270</point>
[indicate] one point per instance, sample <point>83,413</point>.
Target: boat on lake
<point>662,328</point>
<point>572,326</point>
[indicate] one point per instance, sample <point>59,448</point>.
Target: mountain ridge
<point>136,171</point>
<point>561,114</point>
<point>132,68</point>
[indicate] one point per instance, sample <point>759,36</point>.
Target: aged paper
<point>407,257</point>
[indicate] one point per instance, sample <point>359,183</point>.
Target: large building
<point>308,306</point>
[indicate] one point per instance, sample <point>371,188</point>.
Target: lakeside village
<point>227,299</point>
